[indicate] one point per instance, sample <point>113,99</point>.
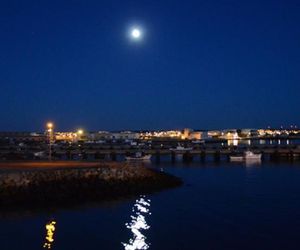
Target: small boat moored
<point>247,156</point>
<point>180,149</point>
<point>236,158</point>
<point>138,157</point>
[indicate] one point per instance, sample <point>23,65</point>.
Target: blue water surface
<point>220,206</point>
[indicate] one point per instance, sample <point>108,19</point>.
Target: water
<point>223,206</point>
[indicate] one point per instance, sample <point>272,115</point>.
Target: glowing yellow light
<point>49,239</point>
<point>49,125</point>
<point>80,131</point>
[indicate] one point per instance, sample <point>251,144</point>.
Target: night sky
<point>200,64</point>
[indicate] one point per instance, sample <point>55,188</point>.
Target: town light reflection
<point>233,142</point>
<point>138,224</point>
<point>253,162</point>
<point>49,239</point>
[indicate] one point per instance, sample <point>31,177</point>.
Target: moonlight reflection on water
<point>138,224</point>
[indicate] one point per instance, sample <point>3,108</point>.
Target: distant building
<point>23,136</point>
<point>169,134</point>
<point>186,133</point>
<point>97,136</point>
<point>214,133</point>
<point>231,134</point>
<point>191,134</point>
<point>65,136</point>
<point>125,135</point>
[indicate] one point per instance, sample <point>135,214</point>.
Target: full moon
<point>136,33</point>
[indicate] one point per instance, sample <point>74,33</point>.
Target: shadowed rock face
<point>58,187</point>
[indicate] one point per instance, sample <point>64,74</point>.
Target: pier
<point>113,152</point>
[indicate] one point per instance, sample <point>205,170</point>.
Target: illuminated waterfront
<point>221,206</point>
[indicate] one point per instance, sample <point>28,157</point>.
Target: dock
<point>115,152</point>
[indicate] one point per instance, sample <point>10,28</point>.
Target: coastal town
<point>183,134</point>
<point>53,144</point>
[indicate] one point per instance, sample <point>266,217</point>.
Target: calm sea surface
<point>220,206</point>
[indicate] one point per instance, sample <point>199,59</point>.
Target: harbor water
<point>220,206</point>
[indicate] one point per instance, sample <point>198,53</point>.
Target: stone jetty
<point>52,186</point>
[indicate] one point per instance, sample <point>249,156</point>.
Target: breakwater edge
<point>71,184</point>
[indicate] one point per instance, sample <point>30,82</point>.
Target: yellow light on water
<point>49,239</point>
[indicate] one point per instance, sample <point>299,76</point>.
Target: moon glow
<point>136,34</point>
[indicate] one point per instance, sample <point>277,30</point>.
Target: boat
<point>248,156</point>
<point>198,141</point>
<point>236,158</point>
<point>138,157</point>
<point>40,154</point>
<point>181,149</point>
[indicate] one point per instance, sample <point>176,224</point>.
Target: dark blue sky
<point>201,64</point>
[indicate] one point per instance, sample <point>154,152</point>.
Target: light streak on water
<point>138,224</point>
<point>49,239</point>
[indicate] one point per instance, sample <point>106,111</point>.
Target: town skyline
<point>85,129</point>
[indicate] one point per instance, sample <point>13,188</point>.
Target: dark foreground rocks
<point>64,187</point>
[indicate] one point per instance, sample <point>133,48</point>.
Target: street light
<point>79,134</point>
<point>50,127</point>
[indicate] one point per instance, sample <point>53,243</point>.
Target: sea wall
<point>68,186</point>
<point>27,178</point>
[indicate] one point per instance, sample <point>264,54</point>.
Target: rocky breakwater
<point>52,187</point>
